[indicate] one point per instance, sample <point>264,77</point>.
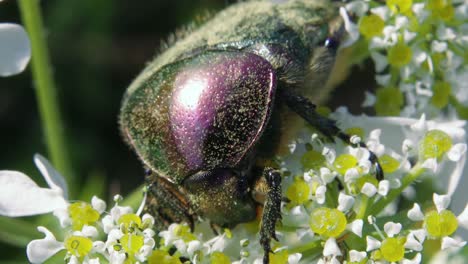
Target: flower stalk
<point>46,91</point>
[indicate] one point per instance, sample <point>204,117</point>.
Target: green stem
<point>309,249</point>
<point>362,207</point>
<point>45,88</point>
<point>413,175</point>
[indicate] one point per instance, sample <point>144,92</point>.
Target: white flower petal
<point>53,178</point>
<point>392,228</point>
<point>142,204</point>
<point>356,256</point>
<point>326,175</point>
<point>456,152</point>
<point>383,80</point>
<point>345,202</point>
<point>320,194</point>
<point>412,243</point>
<point>329,154</point>
<point>358,8</point>
<point>294,258</point>
<point>463,218</point>
<point>20,196</point>
<point>73,260</point>
<point>420,125</point>
<point>448,242</point>
<point>369,189</point>
<point>356,227</point>
<point>369,99</point>
<point>63,216</point>
<point>382,11</point>
<point>430,164</point>
<point>350,27</point>
<point>99,246</point>
<point>438,46</point>
<point>380,61</point>
<point>415,213</point>
<point>40,250</point>
<point>98,204</point>
<point>441,201</point>
<point>15,49</point>
<point>331,248</point>
<point>89,231</point>
<point>351,175</point>
<point>372,243</point>
<point>193,246</point>
<point>456,175</point>
<point>415,260</point>
<point>384,187</point>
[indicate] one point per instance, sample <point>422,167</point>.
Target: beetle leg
<point>269,186</point>
<point>167,204</point>
<point>306,109</point>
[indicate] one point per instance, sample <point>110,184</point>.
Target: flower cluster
<point>129,237</point>
<point>419,52</point>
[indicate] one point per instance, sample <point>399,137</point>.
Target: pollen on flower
<point>129,221</point>
<point>344,162</point>
<point>132,243</point>
<point>329,222</point>
<point>82,214</point>
<point>298,192</point>
<point>393,248</point>
<point>389,101</point>
<point>371,25</point>
<point>78,246</point>
<point>434,144</point>
<point>388,163</point>
<point>440,224</point>
<point>399,6</point>
<point>399,55</point>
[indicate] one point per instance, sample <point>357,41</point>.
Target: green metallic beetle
<point>207,111</point>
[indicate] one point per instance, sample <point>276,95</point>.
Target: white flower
<point>392,228</point>
<point>415,213</point>
<point>331,248</point>
<point>15,49</point>
<point>369,189</point>
<point>345,202</point>
<point>356,227</point>
<point>20,196</point>
<point>448,242</point>
<point>40,250</point>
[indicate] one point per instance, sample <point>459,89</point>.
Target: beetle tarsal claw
<point>272,208</point>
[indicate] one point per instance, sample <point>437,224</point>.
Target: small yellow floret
<point>78,246</point>
<point>399,55</point>
<point>329,222</point>
<point>371,25</point>
<point>393,248</point>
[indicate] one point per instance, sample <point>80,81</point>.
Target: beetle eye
<point>332,43</point>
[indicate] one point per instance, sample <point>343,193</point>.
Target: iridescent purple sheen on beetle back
<point>219,109</point>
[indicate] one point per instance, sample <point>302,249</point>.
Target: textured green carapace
<point>302,25</point>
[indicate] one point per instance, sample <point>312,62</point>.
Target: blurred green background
<point>97,47</point>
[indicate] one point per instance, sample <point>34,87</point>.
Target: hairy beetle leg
<point>167,204</point>
<point>269,186</point>
<point>306,109</point>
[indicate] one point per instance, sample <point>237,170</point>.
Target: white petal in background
<point>20,196</point>
<point>15,49</point>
